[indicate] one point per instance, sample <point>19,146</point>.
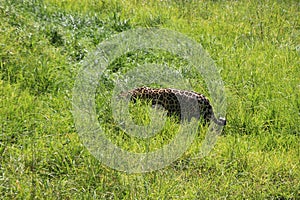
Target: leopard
<point>183,104</point>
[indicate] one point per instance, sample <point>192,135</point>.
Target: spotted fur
<point>178,102</point>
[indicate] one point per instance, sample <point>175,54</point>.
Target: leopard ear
<point>221,121</point>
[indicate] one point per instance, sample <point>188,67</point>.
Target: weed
<point>255,47</point>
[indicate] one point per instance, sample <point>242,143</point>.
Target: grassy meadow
<point>255,46</point>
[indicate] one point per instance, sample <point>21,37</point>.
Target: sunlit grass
<point>256,49</point>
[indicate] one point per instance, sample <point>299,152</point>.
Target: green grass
<point>255,46</point>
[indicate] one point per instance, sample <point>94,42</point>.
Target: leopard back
<point>182,103</point>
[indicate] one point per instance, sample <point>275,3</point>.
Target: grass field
<point>256,47</point>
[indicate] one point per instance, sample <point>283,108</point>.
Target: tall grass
<point>255,46</point>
